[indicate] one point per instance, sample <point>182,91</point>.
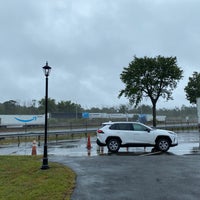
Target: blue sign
<point>85,115</point>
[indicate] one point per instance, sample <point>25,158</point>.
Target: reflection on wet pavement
<point>188,144</point>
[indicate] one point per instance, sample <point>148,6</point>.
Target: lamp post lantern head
<point>46,69</point>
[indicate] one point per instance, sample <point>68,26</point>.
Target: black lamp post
<point>45,165</point>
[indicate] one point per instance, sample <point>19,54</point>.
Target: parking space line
<point>152,153</point>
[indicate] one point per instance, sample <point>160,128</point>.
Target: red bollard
<point>88,142</point>
<point>34,151</point>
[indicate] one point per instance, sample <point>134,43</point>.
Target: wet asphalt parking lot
<point>137,174</point>
<point>114,177</point>
<point>133,173</point>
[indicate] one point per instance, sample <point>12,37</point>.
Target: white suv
<point>133,134</point>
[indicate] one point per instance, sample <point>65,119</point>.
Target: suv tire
<point>113,145</point>
<point>163,144</point>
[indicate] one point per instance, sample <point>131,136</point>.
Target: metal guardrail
<point>178,126</point>
<point>50,132</point>
<point>89,130</point>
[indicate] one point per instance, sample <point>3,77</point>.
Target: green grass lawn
<point>21,179</point>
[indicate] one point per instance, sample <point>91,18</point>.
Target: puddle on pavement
<point>78,147</point>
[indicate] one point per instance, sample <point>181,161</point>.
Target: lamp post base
<point>44,167</point>
<point>45,164</point>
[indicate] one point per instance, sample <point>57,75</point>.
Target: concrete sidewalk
<point>113,177</point>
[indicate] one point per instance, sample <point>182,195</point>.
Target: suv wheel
<point>113,145</point>
<point>163,144</point>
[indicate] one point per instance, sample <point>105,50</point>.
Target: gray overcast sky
<point>88,42</point>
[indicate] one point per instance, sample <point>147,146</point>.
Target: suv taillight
<point>100,131</point>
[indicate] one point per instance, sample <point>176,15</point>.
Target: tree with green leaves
<point>68,106</point>
<point>150,78</point>
<point>193,88</point>
<point>51,105</point>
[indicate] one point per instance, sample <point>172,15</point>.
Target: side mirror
<point>148,130</point>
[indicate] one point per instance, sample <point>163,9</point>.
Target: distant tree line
<point>37,107</point>
<point>14,107</point>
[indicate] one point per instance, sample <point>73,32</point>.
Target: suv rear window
<point>121,126</point>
